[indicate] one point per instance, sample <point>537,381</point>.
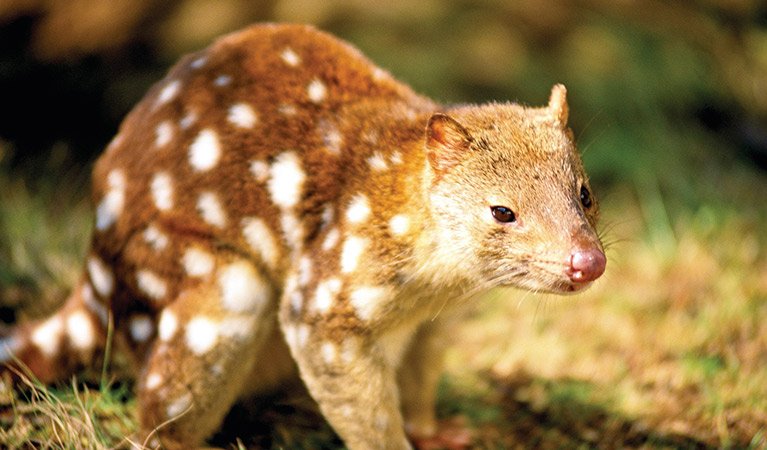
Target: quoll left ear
<point>558,108</point>
<point>447,142</point>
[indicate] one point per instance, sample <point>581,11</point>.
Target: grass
<point>666,352</point>
<point>69,416</point>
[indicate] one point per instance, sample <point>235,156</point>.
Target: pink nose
<point>586,265</point>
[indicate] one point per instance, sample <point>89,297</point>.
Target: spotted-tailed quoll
<point>278,206</point>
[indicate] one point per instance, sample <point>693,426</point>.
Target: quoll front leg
<point>418,379</point>
<point>418,376</point>
<point>353,385</point>
<point>206,346</point>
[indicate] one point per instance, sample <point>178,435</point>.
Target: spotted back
<point>239,147</point>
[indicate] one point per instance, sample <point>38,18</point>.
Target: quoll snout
<point>586,265</point>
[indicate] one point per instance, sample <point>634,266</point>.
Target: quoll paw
<point>452,434</point>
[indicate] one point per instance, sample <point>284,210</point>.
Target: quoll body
<point>279,206</point>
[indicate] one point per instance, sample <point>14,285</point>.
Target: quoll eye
<point>503,214</point>
<point>586,200</point>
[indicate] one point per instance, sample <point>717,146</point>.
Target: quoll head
<point>510,197</point>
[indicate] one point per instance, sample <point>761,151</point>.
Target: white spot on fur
<point>168,93</point>
<point>287,180</point>
<point>47,336</point>
<point>201,335</point>
<point>210,209</point>
<point>304,271</point>
<point>371,137</point>
<point>331,239</point>
<point>302,335</point>
<point>199,62</point>
<point>396,157</point>
<point>197,262</point>
<point>93,305</point>
<point>243,290</point>
<point>155,238</point>
<point>366,300</point>
<point>141,327</point>
<point>188,120</point>
<point>217,370</point>
<point>261,240</point>
<point>293,294</point>
<point>350,350</point>
<point>317,91</point>
<point>326,294</point>
<point>80,330</point>
<point>152,381</point>
<point>114,143</point>
<point>329,352</point>
<point>168,325</point>
<point>242,115</point>
<point>289,333</point>
<point>359,209</point>
<point>399,225</point>
<point>352,249</point>
<point>163,134</point>
<point>330,136</point>
<point>237,327</point>
<point>287,109</point>
<point>292,229</point>
<point>380,74</point>
<point>260,170</point>
<point>162,191</point>
<point>151,284</point>
<point>290,57</point>
<point>111,206</point>
<point>205,151</point>
<point>327,216</point>
<point>179,406</point>
<point>222,80</point>
<point>377,162</point>
<point>101,277</point>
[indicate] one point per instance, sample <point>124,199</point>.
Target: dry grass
<point>70,417</point>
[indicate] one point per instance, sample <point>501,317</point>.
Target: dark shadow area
<point>574,424</point>
<point>498,420</point>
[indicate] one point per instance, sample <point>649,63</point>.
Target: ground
<point>666,351</point>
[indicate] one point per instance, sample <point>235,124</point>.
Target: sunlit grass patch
<point>67,417</point>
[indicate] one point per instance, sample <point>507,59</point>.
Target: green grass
<point>666,352</point>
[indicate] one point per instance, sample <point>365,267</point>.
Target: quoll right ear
<point>447,142</point>
<point>558,108</point>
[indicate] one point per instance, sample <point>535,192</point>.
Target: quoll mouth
<point>572,288</point>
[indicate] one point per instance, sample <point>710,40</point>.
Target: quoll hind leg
<point>205,351</point>
<point>57,346</point>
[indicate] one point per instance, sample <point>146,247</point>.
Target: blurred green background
<point>668,101</point>
<point>666,96</point>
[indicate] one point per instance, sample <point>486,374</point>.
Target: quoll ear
<point>558,108</point>
<point>447,142</point>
